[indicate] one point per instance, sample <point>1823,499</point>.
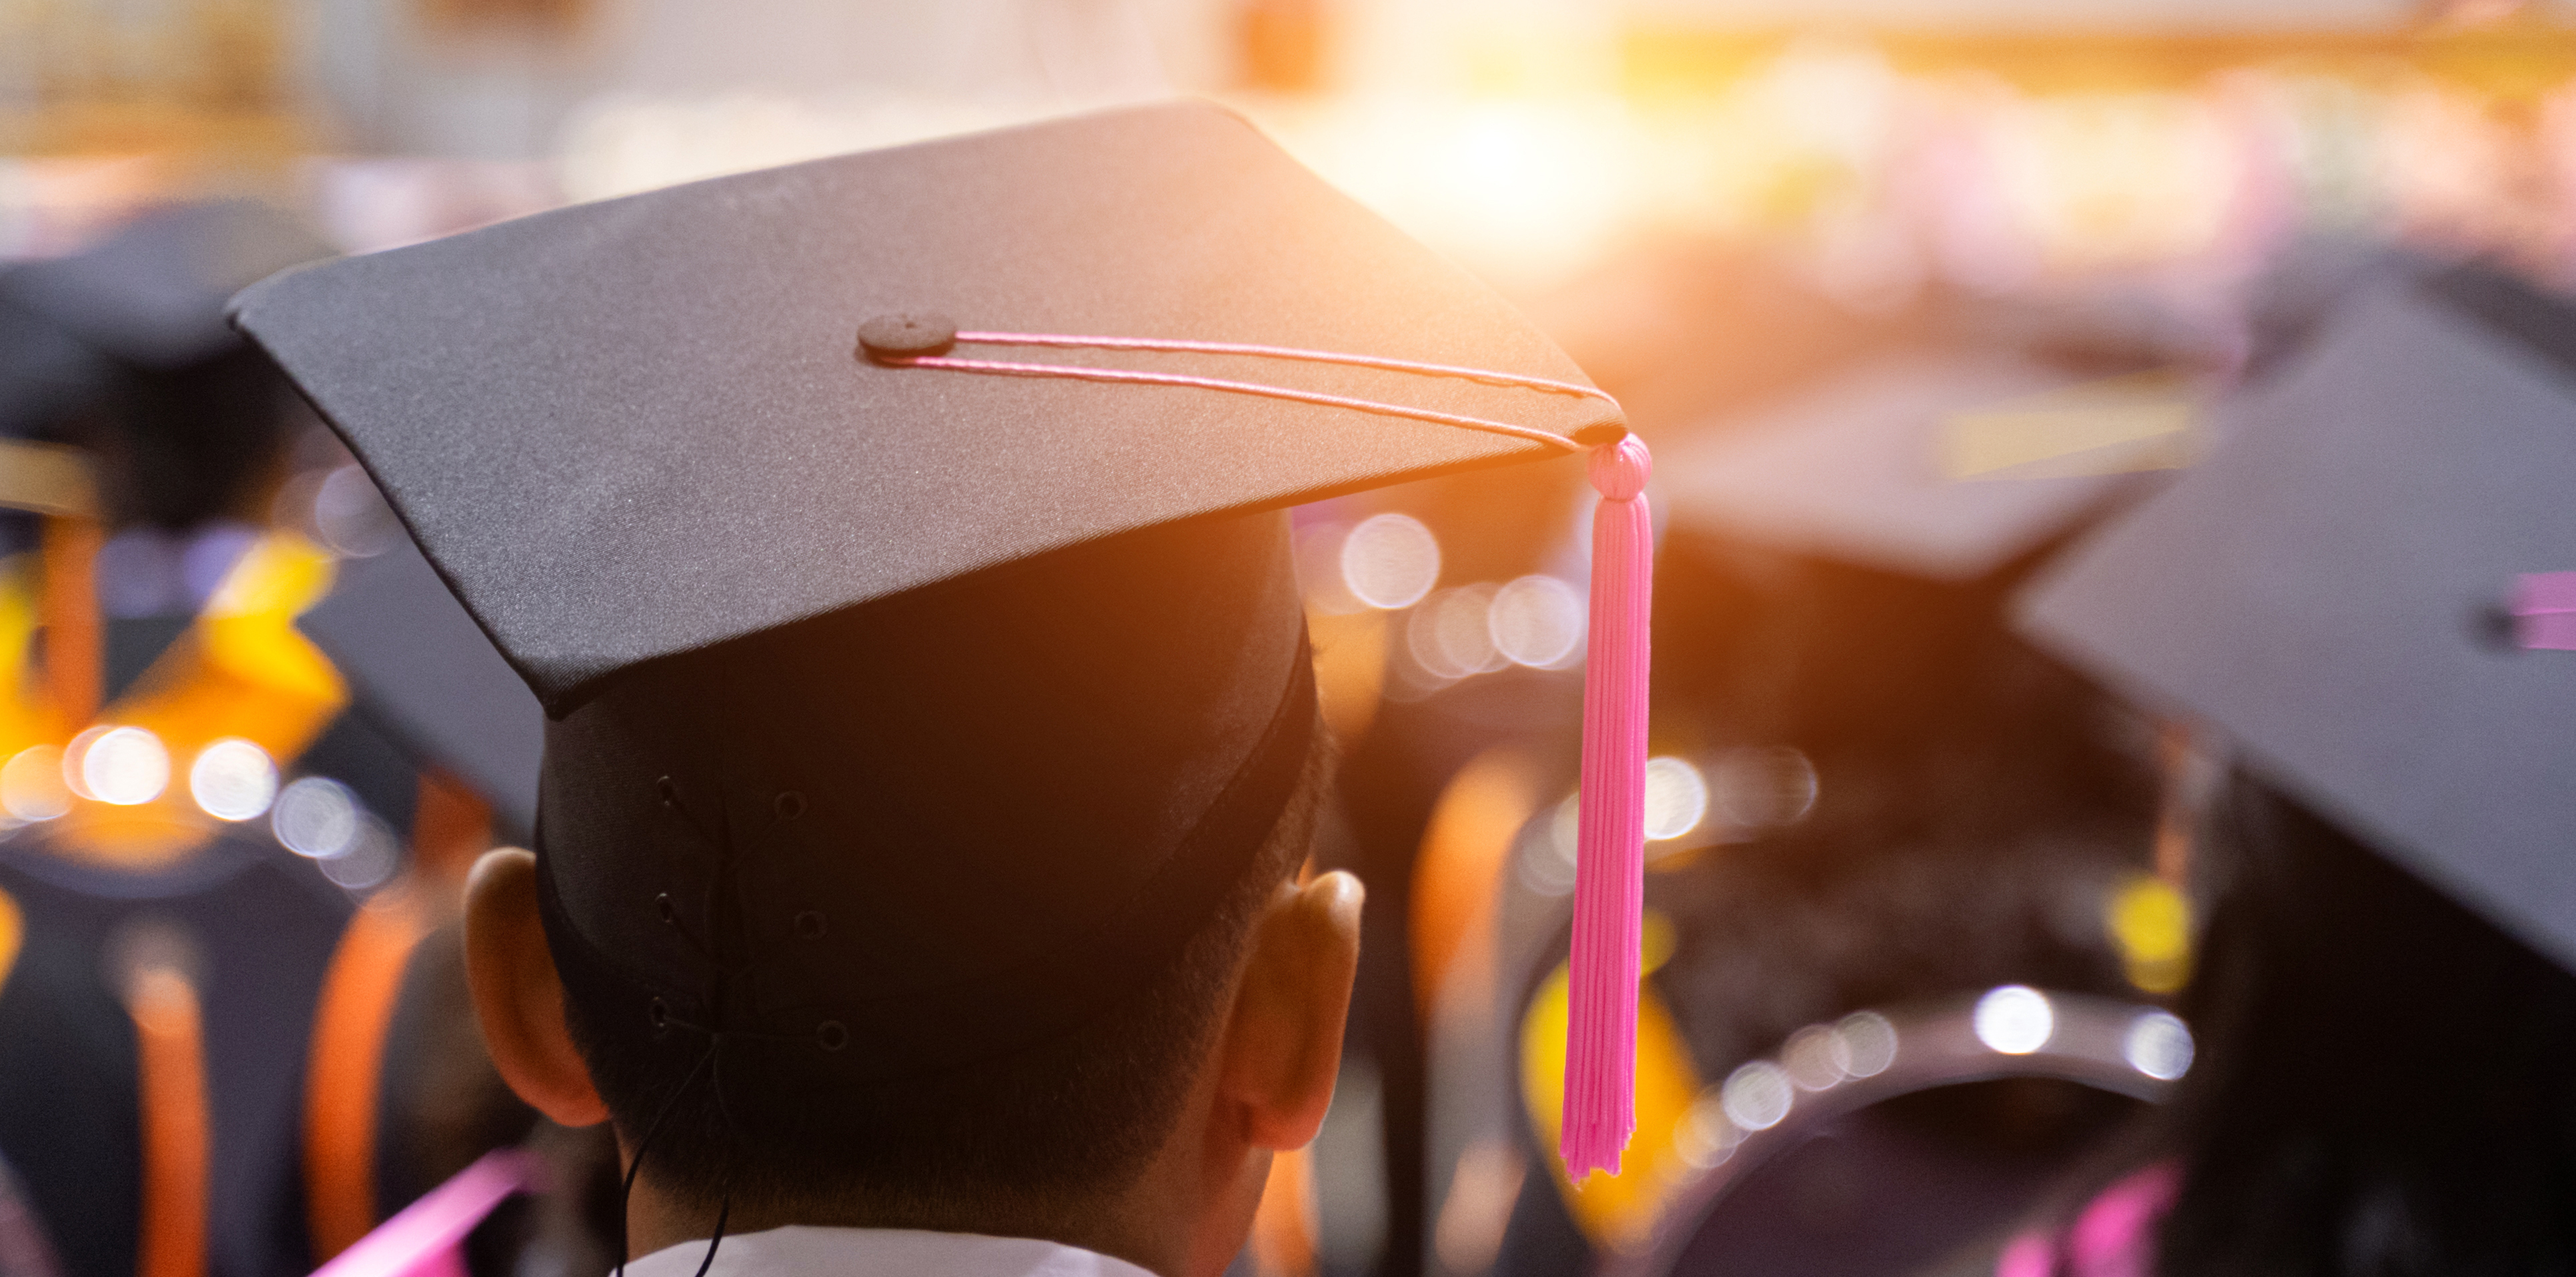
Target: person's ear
<point>1282,1047</point>
<point>517,995</point>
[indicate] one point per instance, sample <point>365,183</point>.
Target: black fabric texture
<point>641,427</point>
<point>262,925</point>
<point>44,372</point>
<point>70,1121</point>
<point>2326,591</point>
<point>425,674</point>
<point>959,827</point>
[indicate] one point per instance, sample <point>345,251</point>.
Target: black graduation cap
<point>424,672</point>
<point>152,294</point>
<point>2331,589</point>
<point>44,371</point>
<point>122,348</point>
<point>944,702</point>
<point>1942,464</point>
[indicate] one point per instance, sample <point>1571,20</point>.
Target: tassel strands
<point>1609,885</point>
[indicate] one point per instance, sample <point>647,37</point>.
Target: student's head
<point>2384,1082</point>
<point>1238,1034</point>
<point>973,912</point>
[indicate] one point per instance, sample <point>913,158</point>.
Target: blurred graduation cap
<point>2332,589</point>
<point>123,349</point>
<point>972,666</point>
<point>1942,464</point>
<point>2306,285</point>
<point>426,675</point>
<point>152,294</point>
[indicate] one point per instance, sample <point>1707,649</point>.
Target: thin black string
<point>626,1187</point>
<point>711,1062</point>
<point>723,1212</point>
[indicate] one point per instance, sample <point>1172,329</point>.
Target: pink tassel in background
<point>1609,882</point>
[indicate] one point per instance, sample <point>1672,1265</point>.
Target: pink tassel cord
<point>424,1240</point>
<point>1609,881</point>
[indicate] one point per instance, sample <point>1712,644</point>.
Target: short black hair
<point>2384,1080</point>
<point>1053,1124</point>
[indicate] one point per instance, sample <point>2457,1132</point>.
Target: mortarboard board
<point>1943,465</point>
<point>425,673</point>
<point>152,294</point>
<point>127,347</point>
<point>44,371</point>
<point>974,674</point>
<point>2326,589</point>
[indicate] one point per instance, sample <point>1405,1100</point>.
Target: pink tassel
<point>424,1240</point>
<point>1610,863</point>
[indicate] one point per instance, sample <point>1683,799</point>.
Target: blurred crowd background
<point>1904,293</point>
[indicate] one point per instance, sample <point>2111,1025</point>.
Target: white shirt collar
<point>799,1251</point>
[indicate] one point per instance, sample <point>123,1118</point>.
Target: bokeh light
<point>1547,861</point>
<point>31,784</point>
<point>1762,786</point>
<point>1537,621</point>
<point>1758,1095</point>
<point>1319,570</point>
<point>1865,1042</point>
<point>1813,1058</point>
<point>2150,924</point>
<point>369,858</point>
<point>233,779</point>
<point>316,817</point>
<point>1704,1137</point>
<point>72,755</point>
<point>2159,1045</point>
<point>2014,1019</point>
<point>1676,798</point>
<point>352,516</point>
<point>125,766</point>
<point>1390,561</point>
<point>1449,635</point>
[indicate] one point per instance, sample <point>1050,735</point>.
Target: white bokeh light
<point>1547,860</point>
<point>1448,635</point>
<point>371,856</point>
<point>1536,621</point>
<point>1319,570</point>
<point>2159,1045</point>
<point>31,784</point>
<point>1814,1057</point>
<point>1676,798</point>
<point>1864,1043</point>
<point>1390,561</point>
<point>125,766</point>
<point>316,817</point>
<point>1757,1096</point>
<point>2014,1019</point>
<point>1704,1137</point>
<point>1761,786</point>
<point>233,779</point>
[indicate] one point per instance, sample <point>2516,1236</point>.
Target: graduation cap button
<point>895,339</point>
